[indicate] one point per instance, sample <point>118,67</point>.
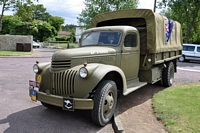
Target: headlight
<point>83,72</point>
<point>35,68</point>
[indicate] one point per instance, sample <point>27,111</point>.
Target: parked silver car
<point>36,45</point>
<point>190,52</point>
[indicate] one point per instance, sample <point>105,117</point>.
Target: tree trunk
<point>0,23</point>
<point>1,17</point>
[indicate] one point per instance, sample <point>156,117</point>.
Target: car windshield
<point>101,38</point>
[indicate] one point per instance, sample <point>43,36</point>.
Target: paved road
<point>19,114</point>
<point>189,66</point>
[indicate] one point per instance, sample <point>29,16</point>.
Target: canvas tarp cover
<point>155,24</point>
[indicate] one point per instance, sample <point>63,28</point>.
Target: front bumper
<point>78,103</point>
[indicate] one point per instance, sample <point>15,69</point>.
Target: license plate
<point>68,104</point>
<point>33,94</point>
<point>34,83</point>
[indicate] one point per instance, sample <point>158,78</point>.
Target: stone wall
<point>8,42</point>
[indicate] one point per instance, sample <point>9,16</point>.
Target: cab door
<point>130,59</point>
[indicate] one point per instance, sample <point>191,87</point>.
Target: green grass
<point>13,53</point>
<point>64,46</point>
<point>179,108</point>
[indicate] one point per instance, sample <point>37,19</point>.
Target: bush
<point>61,38</point>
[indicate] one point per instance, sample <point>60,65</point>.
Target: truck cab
<point>124,40</point>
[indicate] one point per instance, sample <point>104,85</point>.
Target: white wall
<point>79,31</point>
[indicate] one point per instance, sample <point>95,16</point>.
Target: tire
<point>48,105</point>
<point>182,59</point>
<point>105,101</point>
<point>168,75</point>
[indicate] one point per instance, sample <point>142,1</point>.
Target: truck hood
<point>83,52</point>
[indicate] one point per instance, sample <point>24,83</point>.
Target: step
<point>134,86</point>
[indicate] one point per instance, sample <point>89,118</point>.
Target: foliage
<point>30,12</point>
<point>72,37</point>
<point>56,22</point>
<point>68,27</point>
<point>40,30</point>
<point>24,22</point>
<point>63,45</point>
<point>40,13</point>
<point>9,22</point>
<point>186,12</point>
<point>7,4</point>
<point>94,7</point>
<point>61,38</point>
<point>178,107</point>
<point>13,53</point>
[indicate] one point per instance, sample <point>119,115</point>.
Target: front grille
<point>63,83</point>
<point>61,64</point>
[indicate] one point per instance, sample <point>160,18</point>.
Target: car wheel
<point>181,59</point>
<point>105,100</point>
<point>168,74</point>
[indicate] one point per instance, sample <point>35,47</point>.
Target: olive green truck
<point>123,51</point>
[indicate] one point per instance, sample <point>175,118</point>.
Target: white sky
<point>69,9</point>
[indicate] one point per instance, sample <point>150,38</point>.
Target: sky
<point>69,9</point>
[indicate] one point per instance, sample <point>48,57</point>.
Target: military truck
<point>122,52</point>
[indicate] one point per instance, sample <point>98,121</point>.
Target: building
<point>79,31</point>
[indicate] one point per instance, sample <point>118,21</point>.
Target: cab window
<point>198,49</point>
<point>188,48</point>
<point>130,40</point>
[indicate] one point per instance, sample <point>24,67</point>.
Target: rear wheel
<point>181,59</point>
<point>105,100</point>
<point>168,74</point>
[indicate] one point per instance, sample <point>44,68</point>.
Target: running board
<point>134,86</point>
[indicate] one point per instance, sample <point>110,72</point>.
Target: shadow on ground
<point>138,97</point>
<point>40,120</point>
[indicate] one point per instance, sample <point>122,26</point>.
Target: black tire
<point>48,105</point>
<point>105,101</point>
<point>168,75</point>
<point>182,58</point>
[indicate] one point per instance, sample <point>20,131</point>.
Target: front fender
<point>96,73</point>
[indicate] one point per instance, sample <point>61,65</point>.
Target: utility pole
<point>154,9</point>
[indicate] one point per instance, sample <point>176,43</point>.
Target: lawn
<point>64,45</point>
<point>179,108</point>
<point>13,53</point>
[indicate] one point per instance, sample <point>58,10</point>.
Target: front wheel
<point>105,101</point>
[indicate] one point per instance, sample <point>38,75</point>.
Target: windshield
<point>101,38</point>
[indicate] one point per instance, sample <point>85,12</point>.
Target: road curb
<point>25,56</point>
<point>117,125</point>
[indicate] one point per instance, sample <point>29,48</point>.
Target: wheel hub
<point>108,104</point>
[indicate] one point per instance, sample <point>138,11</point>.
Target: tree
<point>24,11</point>
<point>94,7</point>
<point>187,12</point>
<point>40,30</point>
<point>10,4</point>
<point>72,36</point>
<point>9,23</point>
<point>68,27</point>
<point>56,22</point>
<point>40,13</point>
<point>30,12</point>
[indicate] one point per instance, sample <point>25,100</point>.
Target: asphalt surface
<point>19,114</point>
